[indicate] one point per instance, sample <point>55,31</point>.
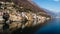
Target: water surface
<point>52,27</point>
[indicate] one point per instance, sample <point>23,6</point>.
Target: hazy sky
<point>52,5</point>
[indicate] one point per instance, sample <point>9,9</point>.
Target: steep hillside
<point>28,5</point>
<point>23,15</point>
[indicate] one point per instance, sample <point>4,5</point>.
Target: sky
<point>52,5</point>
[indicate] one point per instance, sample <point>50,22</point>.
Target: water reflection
<point>52,27</point>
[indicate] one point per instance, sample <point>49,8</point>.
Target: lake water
<point>52,27</point>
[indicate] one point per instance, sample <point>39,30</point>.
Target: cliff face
<point>23,13</point>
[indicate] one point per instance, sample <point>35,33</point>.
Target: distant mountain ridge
<point>50,12</point>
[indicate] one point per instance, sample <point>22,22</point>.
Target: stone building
<point>23,14</point>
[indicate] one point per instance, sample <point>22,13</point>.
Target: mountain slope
<point>23,14</point>
<point>50,12</point>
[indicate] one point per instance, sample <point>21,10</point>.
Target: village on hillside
<point>19,16</point>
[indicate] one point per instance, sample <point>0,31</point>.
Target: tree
<point>8,0</point>
<point>0,5</point>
